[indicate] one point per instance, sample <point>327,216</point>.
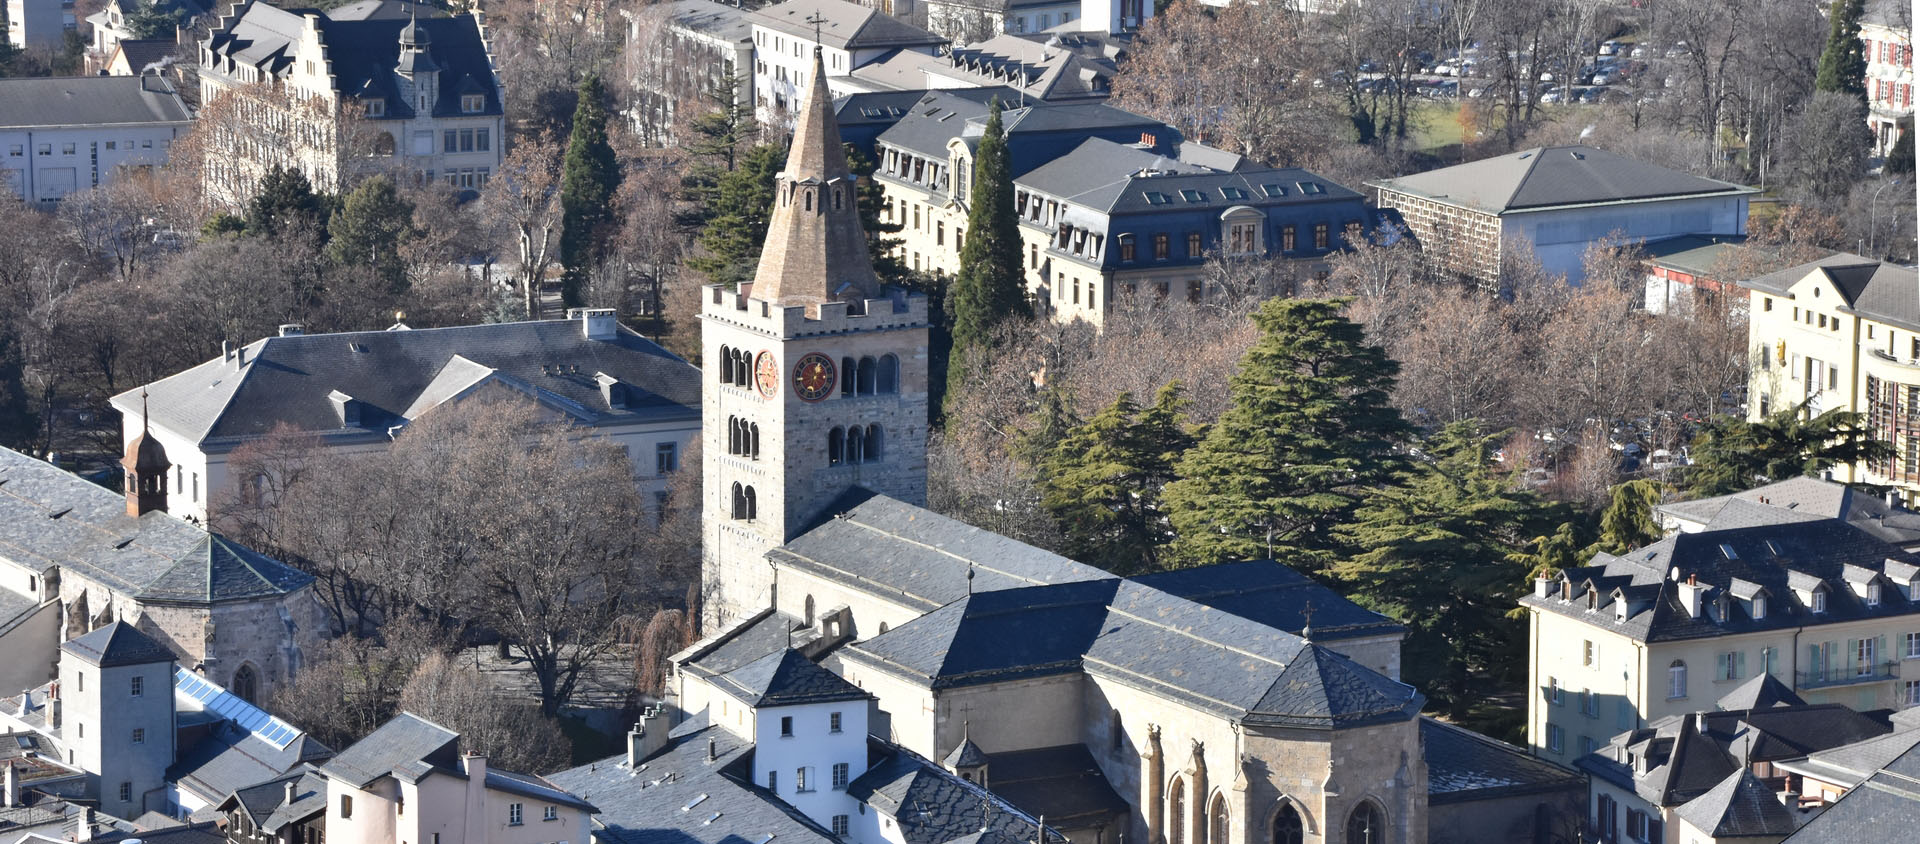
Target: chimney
<point>712,754</point>
<point>226,350</point>
<point>1690,596</point>
<point>53,713</point>
<point>1700,722</point>
<point>475,764</point>
<point>292,329</point>
<point>647,738</point>
<point>84,832</point>
<point>1542,586</point>
<point>1894,501</point>
<point>596,323</point>
<point>293,791</point>
<point>10,787</point>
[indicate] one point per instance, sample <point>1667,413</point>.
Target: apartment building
<point>847,35</point>
<point>679,55</point>
<point>1886,31</point>
<point>1843,332</point>
<point>40,24</point>
<point>65,134</point>
<point>1826,608</point>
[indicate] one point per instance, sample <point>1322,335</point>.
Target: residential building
<point>863,117</point>
<point>66,134</point>
<point>1886,33</point>
<point>76,557</point>
<point>1238,702</point>
<point>140,56</point>
<point>408,781</point>
<point>1842,332</point>
<point>40,24</point>
<point>1559,200</point>
<point>1049,67</point>
<point>1826,608</point>
<point>356,390</point>
<point>964,21</point>
<point>415,95</point>
<point>1716,775</point>
<point>288,810</point>
<point>1885,807</point>
<point>110,25</point>
<point>1111,204</point>
<point>227,744</point>
<point>680,54</point>
<point>1800,499</point>
<point>847,36</point>
<point>1824,776</point>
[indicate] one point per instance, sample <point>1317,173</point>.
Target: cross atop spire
<point>816,250</point>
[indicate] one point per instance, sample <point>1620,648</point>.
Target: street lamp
<point>1873,217</point>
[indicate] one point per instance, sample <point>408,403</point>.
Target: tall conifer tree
<point>1843,64</point>
<point>1103,481</point>
<point>990,285</point>
<point>741,210</point>
<point>1309,433</point>
<point>587,187</point>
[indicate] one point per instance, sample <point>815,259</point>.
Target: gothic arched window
<point>872,447</point>
<point>1177,813</point>
<point>887,379</point>
<point>739,501</point>
<point>836,446</point>
<point>1116,731</point>
<point>883,627</point>
<point>246,684</point>
<point>1365,826</point>
<point>867,367</point>
<point>753,507</point>
<point>1217,820</point>
<point>733,435</point>
<point>726,365</point>
<point>846,376</point>
<point>836,199</point>
<point>1287,828</point>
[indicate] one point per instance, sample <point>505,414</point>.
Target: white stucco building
<point>1886,33</point>
<point>65,134</point>
<point>847,35</point>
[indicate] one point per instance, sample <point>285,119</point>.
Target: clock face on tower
<point>813,376</point>
<point>766,374</point>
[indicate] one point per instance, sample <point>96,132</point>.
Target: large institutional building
<point>1233,703</point>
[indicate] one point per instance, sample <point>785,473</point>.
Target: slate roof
<point>917,557</point>
<point>966,755</point>
<point>785,678</point>
<point>1115,179</point>
<point>1694,254</point>
<point>1879,291</point>
<point>1686,756</point>
<point>49,517</point>
<point>117,644</point>
<point>931,806</point>
<point>142,53</point>
<point>287,380</point>
<point>1062,784</point>
<point>1851,764</point>
<point>707,17</point>
<point>1041,67</point>
<point>1275,595</point>
<point>363,54</point>
<point>1760,692</point>
<point>645,806</point>
<point>266,802</point>
<point>1774,556</point>
<point>231,758</point>
<point>1741,806</point>
<point>39,102</point>
<point>1552,177</point>
<point>847,26</point>
<point>1886,807</point>
<point>1801,499</point>
<point>407,738</point>
<point>942,116</point>
<point>1465,766</point>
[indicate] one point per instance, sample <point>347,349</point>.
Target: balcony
<point>1848,675</point>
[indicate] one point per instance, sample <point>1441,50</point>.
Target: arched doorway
<point>1287,826</point>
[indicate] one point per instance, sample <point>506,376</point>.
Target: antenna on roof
<point>969,578</point>
<point>145,417</point>
<point>1306,632</point>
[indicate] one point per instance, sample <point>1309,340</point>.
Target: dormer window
<point>1873,594</point>
<point>1759,607</point>
<point>376,108</point>
<point>473,103</point>
<point>1819,600</point>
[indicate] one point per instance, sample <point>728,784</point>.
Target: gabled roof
<point>140,54</point>
<point>403,742</point>
<point>786,678</point>
<point>1760,692</point>
<point>930,805</point>
<point>288,380</point>
<point>1688,755</point>
<point>1879,291</point>
<point>1552,177</point>
<point>266,802</point>
<point>846,26</point>
<point>707,17</point>
<point>1886,807</point>
<point>49,516</point>
<point>117,644</point>
<point>120,101</point>
<point>1741,806</point>
<point>1850,764</point>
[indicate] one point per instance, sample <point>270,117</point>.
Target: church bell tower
<point>816,377</point>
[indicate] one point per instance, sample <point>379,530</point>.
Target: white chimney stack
<point>596,323</point>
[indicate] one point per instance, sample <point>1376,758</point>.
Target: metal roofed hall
<point>1554,177</point>
<point>27,103</point>
<point>843,25</point>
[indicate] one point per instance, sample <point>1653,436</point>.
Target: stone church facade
<point>1239,703</point>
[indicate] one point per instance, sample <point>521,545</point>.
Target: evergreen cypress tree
<point>587,187</point>
<point>1444,552</point>
<point>741,210</point>
<point>1308,434</point>
<point>373,222</point>
<point>990,285</point>
<point>286,203</point>
<point>1843,63</point>
<point>1103,481</point>
<point>1628,523</point>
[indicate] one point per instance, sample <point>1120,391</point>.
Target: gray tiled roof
<point>1885,292</point>
<point>287,380</point>
<point>1114,179</point>
<point>1686,758</point>
<point>1548,177</point>
<point>706,17</point>
<point>1850,764</point>
<point>267,801</point>
<point>931,806</point>
<point>231,758</point>
<point>1762,691</point>
<point>49,516</point>
<point>1695,254</point>
<point>404,739</point>
<point>142,53</point>
<point>1775,556</point>
<point>27,102</point>
<point>847,26</point>
<point>645,806</point>
<point>966,755</point>
<point>118,643</point>
<point>1741,806</point>
<point>1464,766</point>
<point>1275,595</point>
<point>1885,808</point>
<point>785,678</point>
<point>1062,784</point>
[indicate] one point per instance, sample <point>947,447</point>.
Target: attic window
<point>1192,196</point>
<point>1759,607</point>
<point>1275,191</point>
<point>1727,551</point>
<point>1774,549</point>
<point>1311,188</point>
<point>1233,193</point>
<point>1157,198</point>
<point>1820,600</point>
<point>473,103</point>
<point>1593,600</point>
<point>376,108</point>
<point>1620,607</point>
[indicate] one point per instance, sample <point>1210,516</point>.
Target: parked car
<point>1602,78</point>
<point>1552,96</point>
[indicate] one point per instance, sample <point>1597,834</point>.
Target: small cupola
<point>146,465</point>
<point>968,761</point>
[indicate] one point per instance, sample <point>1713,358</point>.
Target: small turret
<point>146,464</point>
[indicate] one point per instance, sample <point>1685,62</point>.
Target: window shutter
<point>1740,664</point>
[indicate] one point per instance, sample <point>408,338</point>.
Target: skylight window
<point>694,802</point>
<point>1727,551</point>
<point>1192,196</point>
<point>1311,187</point>
<point>1157,198</point>
<point>1273,190</point>
<point>1233,193</point>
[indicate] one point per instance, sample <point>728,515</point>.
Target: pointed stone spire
<point>816,250</point>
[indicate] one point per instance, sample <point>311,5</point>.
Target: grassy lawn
<point>1436,127</point>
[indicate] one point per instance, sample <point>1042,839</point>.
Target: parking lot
<point>1617,72</point>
